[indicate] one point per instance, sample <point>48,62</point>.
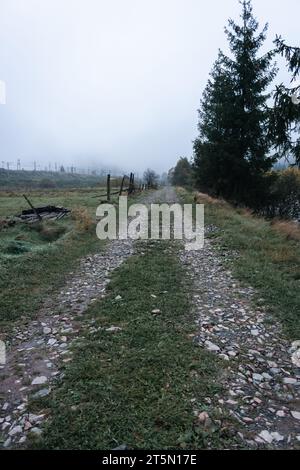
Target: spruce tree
<point>285,116</point>
<point>213,153</point>
<point>234,141</point>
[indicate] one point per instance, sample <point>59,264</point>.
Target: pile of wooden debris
<point>40,213</point>
<point>35,214</point>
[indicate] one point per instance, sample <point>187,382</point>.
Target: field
<point>35,258</point>
<point>28,180</point>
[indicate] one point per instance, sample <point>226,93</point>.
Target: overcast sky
<point>114,82</point>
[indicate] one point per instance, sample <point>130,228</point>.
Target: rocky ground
<point>37,352</point>
<point>261,377</point>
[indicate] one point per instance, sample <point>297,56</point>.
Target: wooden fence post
<point>130,184</point>
<point>122,185</point>
<point>108,188</point>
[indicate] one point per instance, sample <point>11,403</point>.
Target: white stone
<point>295,414</point>
<point>27,426</point>
<point>232,353</point>
<point>277,437</point>
<point>113,329</point>
<point>255,332</point>
<point>266,436</point>
<point>257,377</point>
<point>39,380</point>
<point>259,440</point>
<point>15,430</point>
<point>7,442</point>
<point>46,330</point>
<point>296,358</point>
<point>51,341</point>
<point>272,365</point>
<point>224,357</point>
<point>211,346</point>
<point>289,381</point>
<point>35,418</point>
<point>232,402</point>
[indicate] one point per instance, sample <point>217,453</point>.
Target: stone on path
<point>211,346</point>
<point>39,380</point>
<point>295,414</point>
<point>15,430</point>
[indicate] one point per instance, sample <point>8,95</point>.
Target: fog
<point>114,83</point>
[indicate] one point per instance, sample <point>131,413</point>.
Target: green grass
<point>135,386</point>
<point>11,180</point>
<point>266,259</point>
<point>34,260</point>
<point>12,203</point>
<point>27,278</point>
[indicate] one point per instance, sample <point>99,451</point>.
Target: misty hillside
<point>11,180</point>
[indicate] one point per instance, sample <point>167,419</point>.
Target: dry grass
<point>202,198</point>
<point>289,229</point>
<point>82,218</point>
<point>284,254</point>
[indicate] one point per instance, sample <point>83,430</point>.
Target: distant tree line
<point>241,137</point>
<point>151,178</point>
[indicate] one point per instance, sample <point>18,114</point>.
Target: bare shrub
<point>82,218</point>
